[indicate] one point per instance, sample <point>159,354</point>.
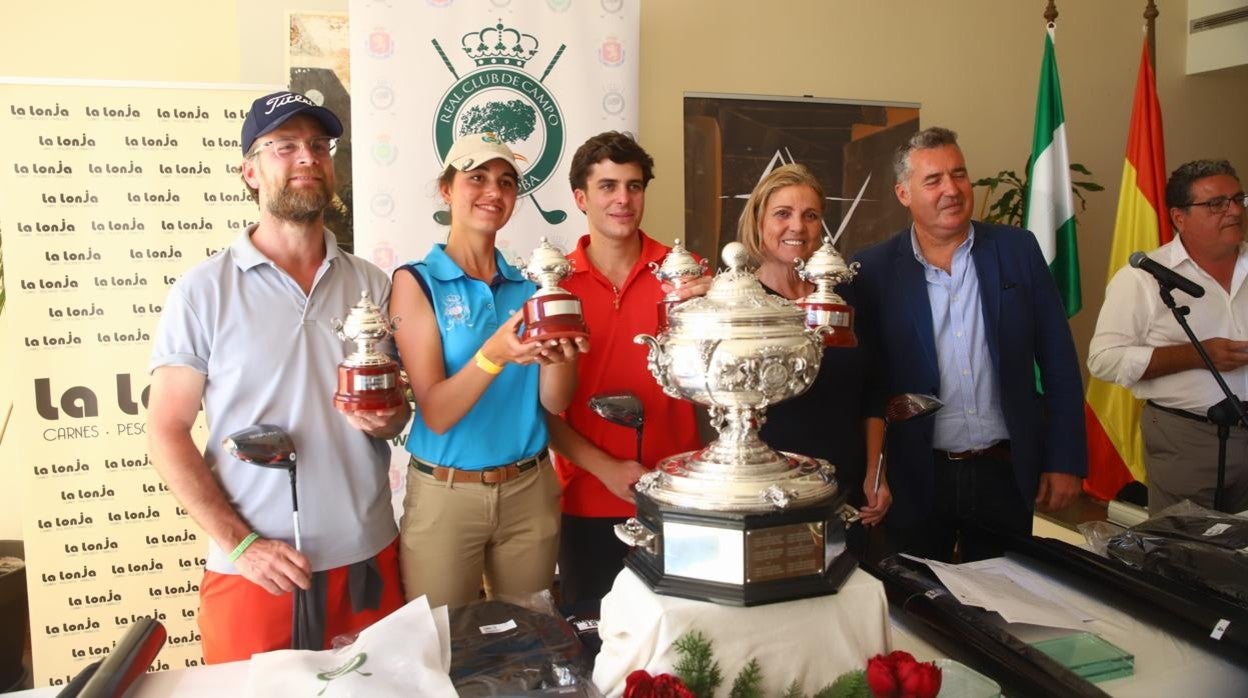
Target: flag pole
<point>1150,27</point>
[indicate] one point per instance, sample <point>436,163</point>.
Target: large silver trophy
<point>738,522</point>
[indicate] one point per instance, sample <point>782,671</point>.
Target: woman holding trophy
<point>840,418</point>
<point>482,498</point>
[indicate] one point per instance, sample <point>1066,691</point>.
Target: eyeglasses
<point>286,148</point>
<point>1220,204</point>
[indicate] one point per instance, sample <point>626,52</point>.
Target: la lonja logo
<point>500,96</point>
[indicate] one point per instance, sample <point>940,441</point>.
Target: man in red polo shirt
<point>620,299</point>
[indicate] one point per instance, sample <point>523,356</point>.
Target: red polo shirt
<point>615,364</point>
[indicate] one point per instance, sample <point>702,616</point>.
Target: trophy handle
<point>635,535</point>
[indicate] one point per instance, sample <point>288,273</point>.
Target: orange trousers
<point>238,618</point>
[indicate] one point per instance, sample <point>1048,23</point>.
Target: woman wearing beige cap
<point>482,499</point>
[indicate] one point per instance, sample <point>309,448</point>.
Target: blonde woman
<point>840,418</point>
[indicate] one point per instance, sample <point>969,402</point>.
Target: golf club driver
<point>268,446</point>
<point>901,408</point>
<point>624,409</point>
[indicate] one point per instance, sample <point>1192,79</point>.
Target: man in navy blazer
<point>966,311</point>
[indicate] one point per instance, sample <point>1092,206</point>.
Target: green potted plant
<point>1008,207</point>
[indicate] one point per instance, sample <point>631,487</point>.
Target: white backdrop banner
<point>544,75</point>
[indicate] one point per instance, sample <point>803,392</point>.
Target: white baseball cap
<point>476,149</point>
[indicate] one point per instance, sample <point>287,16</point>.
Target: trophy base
<point>738,559</point>
<point>553,316</point>
<point>838,317</point>
<point>375,387</point>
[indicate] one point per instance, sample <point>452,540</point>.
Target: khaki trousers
<point>454,535</point>
<point>1181,457</point>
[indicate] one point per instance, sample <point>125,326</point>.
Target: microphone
<point>1168,278</point>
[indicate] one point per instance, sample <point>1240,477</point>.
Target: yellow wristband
<point>486,365</point>
<point>243,545</point>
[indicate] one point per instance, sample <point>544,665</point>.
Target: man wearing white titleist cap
<point>1139,344</point>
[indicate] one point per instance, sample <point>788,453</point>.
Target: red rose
<point>668,686</point>
<point>918,680</point>
<point>880,677</point>
<point>899,675</point>
<point>639,684</point>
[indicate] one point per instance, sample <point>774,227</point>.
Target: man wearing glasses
<point>1138,343</point>
<point>249,333</point>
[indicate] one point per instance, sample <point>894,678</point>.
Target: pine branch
<point>749,682</point>
<point>697,667</point>
<point>794,691</point>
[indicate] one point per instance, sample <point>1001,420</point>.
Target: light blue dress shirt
<point>971,418</point>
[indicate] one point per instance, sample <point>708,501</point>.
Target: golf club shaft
<point>298,538</point>
<point>638,444</point>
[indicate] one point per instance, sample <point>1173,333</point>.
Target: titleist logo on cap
<point>284,99</point>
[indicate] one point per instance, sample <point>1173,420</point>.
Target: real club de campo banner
<point>543,75</point>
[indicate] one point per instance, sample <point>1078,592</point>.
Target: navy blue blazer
<point>1026,326</point>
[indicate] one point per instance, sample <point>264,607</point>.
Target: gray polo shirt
<point>270,355</point>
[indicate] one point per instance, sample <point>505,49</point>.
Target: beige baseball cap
<point>476,149</point>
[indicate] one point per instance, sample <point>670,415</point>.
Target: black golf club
<point>269,446</point>
<point>624,409</point>
<point>899,409</point>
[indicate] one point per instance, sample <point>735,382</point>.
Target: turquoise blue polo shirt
<point>508,423</point>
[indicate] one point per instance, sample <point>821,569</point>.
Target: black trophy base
<point>742,559</point>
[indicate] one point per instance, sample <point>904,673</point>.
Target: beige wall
<point>972,64</point>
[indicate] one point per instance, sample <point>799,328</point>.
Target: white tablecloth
<point>814,639</point>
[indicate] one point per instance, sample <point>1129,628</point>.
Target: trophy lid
<point>546,259</point>
<point>736,301</point>
<point>365,320</point>
<point>678,263</point>
<point>826,263</point>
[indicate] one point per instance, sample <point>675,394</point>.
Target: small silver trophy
<point>826,268</point>
<point>552,312</point>
<point>367,379</point>
<point>678,268</point>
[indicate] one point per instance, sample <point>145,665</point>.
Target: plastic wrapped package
<point>1098,534</point>
<point>500,648</point>
<point>1192,545</point>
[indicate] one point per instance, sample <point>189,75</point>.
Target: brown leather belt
<point>1000,451</point>
<point>486,476</point>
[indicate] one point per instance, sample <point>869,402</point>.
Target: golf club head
<point>910,405</point>
<point>262,444</point>
<point>624,409</point>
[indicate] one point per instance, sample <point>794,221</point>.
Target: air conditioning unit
<point>1217,34</point>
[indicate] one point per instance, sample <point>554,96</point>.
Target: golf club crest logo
<point>504,95</point>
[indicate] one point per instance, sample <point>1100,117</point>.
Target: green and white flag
<point>1050,210</point>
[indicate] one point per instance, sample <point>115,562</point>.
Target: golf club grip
<point>128,660</point>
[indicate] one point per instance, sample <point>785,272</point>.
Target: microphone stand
<point>1229,411</point>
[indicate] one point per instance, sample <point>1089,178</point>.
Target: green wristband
<point>243,545</point>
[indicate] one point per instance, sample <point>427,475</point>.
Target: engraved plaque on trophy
<point>738,522</point>
<point>679,266</point>
<point>826,269</point>
<point>552,312</point>
<point>367,379</point>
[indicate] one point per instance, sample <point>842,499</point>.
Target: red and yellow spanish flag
<point>1115,448</point>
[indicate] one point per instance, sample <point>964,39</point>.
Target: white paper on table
<point>407,653</point>
<point>1017,594</point>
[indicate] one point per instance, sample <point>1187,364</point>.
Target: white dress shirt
<point>1134,320</point>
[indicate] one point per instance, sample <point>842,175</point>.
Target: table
<point>1165,665</point>
<point>814,640</point>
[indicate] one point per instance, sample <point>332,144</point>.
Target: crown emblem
<point>499,45</point>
